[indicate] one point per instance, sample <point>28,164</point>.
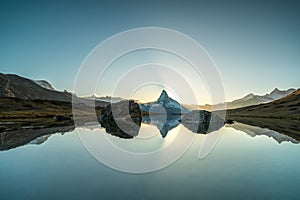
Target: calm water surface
<point>245,163</point>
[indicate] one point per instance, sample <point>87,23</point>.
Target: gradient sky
<point>255,44</point>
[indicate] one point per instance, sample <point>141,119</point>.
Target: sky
<point>255,44</point>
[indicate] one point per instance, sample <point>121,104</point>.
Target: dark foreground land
<point>18,114</point>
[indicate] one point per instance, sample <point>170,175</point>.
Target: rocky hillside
<point>12,85</point>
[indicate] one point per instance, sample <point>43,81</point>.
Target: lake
<point>247,162</point>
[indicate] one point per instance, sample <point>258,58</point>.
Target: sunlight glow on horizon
<point>143,74</point>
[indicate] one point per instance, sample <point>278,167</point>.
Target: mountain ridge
<point>252,99</point>
<point>285,107</point>
<point>247,100</point>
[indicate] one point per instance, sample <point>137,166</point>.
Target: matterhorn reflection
<point>122,122</point>
<point>164,123</point>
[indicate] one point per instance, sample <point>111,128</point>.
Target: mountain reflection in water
<point>279,130</point>
<point>164,124</point>
<point>254,131</point>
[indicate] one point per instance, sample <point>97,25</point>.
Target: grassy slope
<point>12,85</point>
<point>15,113</point>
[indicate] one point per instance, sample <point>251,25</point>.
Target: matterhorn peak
<point>166,103</point>
<point>163,96</point>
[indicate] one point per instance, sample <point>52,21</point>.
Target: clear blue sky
<point>255,44</point>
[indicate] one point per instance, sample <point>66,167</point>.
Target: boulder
<point>122,119</point>
<point>202,121</point>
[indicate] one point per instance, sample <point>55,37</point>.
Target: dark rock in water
<point>202,121</point>
<point>229,121</point>
<point>122,119</point>
<point>61,117</point>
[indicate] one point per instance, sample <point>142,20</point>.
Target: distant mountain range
<point>248,100</point>
<point>108,99</point>
<point>252,99</point>
<point>285,107</point>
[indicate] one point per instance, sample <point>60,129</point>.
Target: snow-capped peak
<point>164,102</point>
<point>163,96</point>
<point>44,84</point>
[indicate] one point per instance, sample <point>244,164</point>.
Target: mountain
<point>248,100</point>
<point>277,94</point>
<point>108,99</point>
<point>44,84</point>
<point>252,99</point>
<point>12,85</point>
<point>285,107</point>
<point>164,105</point>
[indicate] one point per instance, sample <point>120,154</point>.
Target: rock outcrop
<point>202,121</point>
<point>121,119</point>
